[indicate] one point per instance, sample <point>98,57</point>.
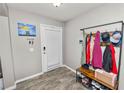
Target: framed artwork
<point>26,29</point>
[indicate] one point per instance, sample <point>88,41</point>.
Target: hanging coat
<point>91,47</point>
<point>88,50</point>
<point>97,52</point>
<point>114,67</point>
<point>107,59</point>
<point>109,62</point>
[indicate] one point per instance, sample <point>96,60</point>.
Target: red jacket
<point>114,67</point>
<point>88,50</point>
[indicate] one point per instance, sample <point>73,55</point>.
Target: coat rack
<point>103,44</point>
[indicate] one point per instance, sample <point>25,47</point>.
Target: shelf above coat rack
<point>104,43</point>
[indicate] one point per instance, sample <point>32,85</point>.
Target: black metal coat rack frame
<point>120,45</point>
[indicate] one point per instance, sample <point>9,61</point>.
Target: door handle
<point>44,48</point>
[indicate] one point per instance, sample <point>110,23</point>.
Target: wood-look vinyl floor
<point>58,79</point>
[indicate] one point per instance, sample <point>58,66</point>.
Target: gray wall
<point>104,14</point>
<point>27,63</point>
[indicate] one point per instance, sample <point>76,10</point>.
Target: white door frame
<point>42,35</point>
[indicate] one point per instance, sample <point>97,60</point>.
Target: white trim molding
<point>11,87</point>
<point>30,77</point>
<point>26,78</point>
<point>69,68</point>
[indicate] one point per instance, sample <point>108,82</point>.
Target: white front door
<point>51,45</point>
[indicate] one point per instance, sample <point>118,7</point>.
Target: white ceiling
<point>65,12</point>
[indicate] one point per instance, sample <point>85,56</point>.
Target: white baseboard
<point>26,78</point>
<point>70,68</point>
<point>55,67</point>
<point>11,88</point>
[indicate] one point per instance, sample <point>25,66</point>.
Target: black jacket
<point>107,59</point>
